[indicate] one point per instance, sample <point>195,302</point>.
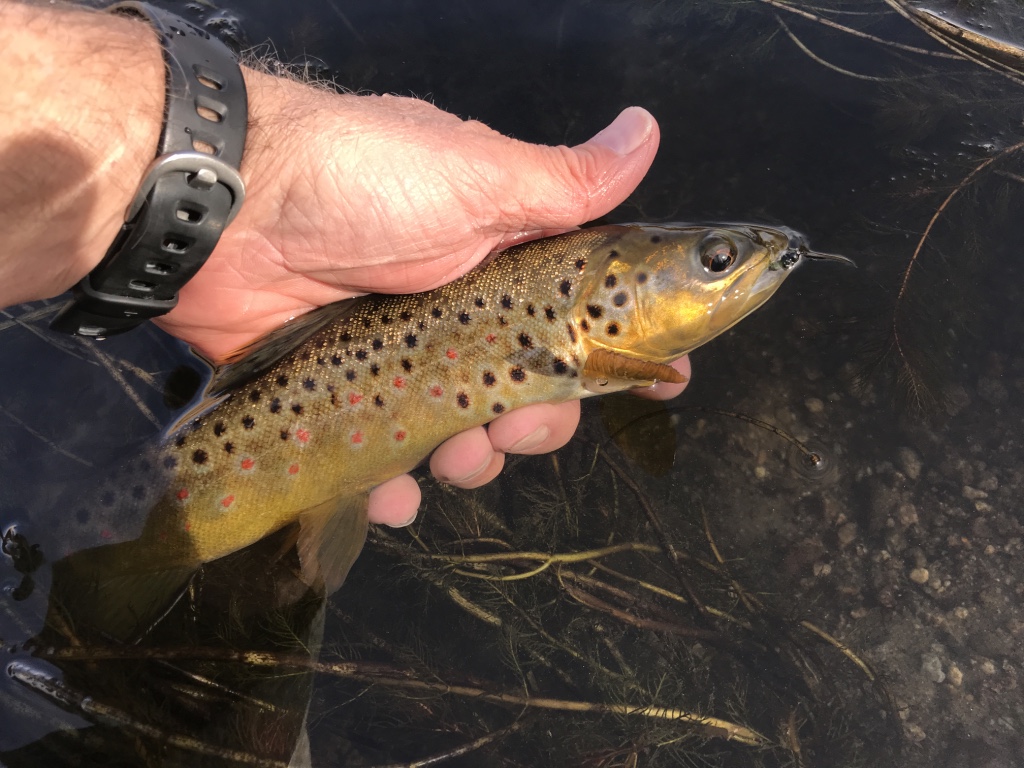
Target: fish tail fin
<point>95,594</point>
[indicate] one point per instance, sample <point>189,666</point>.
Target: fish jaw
<point>657,299</point>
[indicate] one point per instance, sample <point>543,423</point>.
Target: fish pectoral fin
<point>331,536</point>
<point>616,370</point>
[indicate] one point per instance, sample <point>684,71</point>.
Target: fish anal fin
<point>607,366</point>
<point>331,536</point>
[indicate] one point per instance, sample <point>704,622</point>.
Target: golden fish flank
<point>358,392</point>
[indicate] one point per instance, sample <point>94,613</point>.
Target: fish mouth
<point>798,249</point>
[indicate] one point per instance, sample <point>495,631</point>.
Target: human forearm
<point>81,106</point>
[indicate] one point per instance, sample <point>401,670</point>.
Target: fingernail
<point>469,475</point>
<point>532,440</point>
<point>627,132</point>
<point>407,523</point>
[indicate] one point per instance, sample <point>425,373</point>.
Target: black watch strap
<point>190,193</point>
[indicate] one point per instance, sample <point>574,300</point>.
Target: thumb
<point>562,187</point>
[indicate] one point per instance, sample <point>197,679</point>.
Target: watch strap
<point>190,193</point>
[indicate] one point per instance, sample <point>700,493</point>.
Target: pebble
<point>931,666</point>
<point>910,462</point>
<point>919,575</point>
<point>974,493</point>
<point>955,676</point>
<point>906,514</point>
<point>814,405</point>
<point>847,534</point>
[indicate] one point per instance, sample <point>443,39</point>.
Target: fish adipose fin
<point>248,362</point>
<point>604,365</point>
<point>331,536</point>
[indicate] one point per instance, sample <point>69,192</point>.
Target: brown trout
<point>358,392</point>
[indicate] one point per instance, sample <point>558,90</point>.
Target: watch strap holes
<point>142,286</point>
<point>211,109</point>
<point>173,244</point>
<point>208,77</point>
<point>160,268</point>
<point>189,215</point>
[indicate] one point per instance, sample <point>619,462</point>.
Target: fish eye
<point>717,253</point>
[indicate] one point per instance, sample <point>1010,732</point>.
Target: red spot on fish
<point>105,534</point>
<point>227,501</point>
<point>357,438</point>
<point>491,338</point>
<point>354,398</point>
<point>182,494</point>
<point>188,526</point>
<point>400,435</point>
<point>436,391</point>
<point>302,435</point>
<point>452,354</point>
<point>293,469</point>
<point>399,382</point>
<point>248,463</point>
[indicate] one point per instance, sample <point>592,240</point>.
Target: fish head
<point>664,290</point>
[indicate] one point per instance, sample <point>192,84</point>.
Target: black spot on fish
<point>506,301</point>
<point>305,356</point>
<point>549,313</point>
<point>564,287</point>
<point>530,310</point>
<point>297,409</point>
<point>436,312</point>
<point>374,369</point>
<point>594,311</point>
<point>502,320</point>
<point>229,447</point>
<point>320,361</point>
<point>360,354</point>
<point>498,408</point>
<point>464,318</point>
<point>200,456</point>
<point>82,516</point>
<point>334,398</point>
<point>309,384</point>
<point>350,375</point>
<point>525,341</point>
<point>335,359</point>
<point>610,281</point>
<point>378,344</point>
<point>560,367</point>
<point>612,329</point>
<point>219,428</point>
<point>421,325</point>
<point>378,401</point>
<point>572,332</point>
<point>282,381</point>
<point>613,254</point>
<point>620,298</point>
<point>655,238</point>
<point>254,396</point>
<point>517,373</point>
<point>179,441</point>
<point>405,315</point>
<point>584,325</point>
<point>478,301</point>
<point>345,336</point>
<point>248,422</point>
<point>463,400</point>
<point>275,405</point>
<point>410,340</point>
<point>386,319</point>
<point>107,499</point>
<point>406,364</point>
<point>285,434</point>
<point>641,277</point>
<point>138,492</point>
<point>367,322</point>
<point>489,379</point>
<point>581,264</point>
<point>170,462</point>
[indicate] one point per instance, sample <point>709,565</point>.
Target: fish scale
<point>361,391</point>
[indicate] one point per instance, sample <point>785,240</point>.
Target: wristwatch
<point>189,194</point>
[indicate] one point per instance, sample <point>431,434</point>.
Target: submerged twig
<point>827,64</point>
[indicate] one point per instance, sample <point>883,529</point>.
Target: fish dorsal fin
<point>331,536</point>
<point>248,362</point>
<point>617,371</point>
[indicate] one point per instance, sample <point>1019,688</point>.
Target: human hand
<point>356,194</point>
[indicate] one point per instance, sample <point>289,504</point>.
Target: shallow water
<point>906,546</point>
